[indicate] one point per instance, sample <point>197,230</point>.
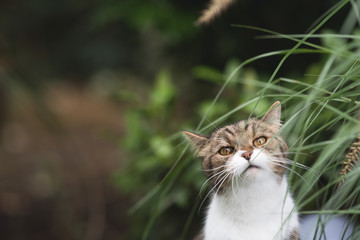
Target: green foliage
<point>163,93</point>
<point>147,129</point>
<point>319,108</point>
<point>161,15</point>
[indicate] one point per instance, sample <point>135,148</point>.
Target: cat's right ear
<point>273,114</point>
<point>197,140</point>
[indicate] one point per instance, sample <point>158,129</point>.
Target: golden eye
<point>224,151</point>
<point>259,141</point>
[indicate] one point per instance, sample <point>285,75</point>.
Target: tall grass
<point>320,113</point>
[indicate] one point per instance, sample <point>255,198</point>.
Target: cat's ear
<point>196,140</point>
<point>272,116</point>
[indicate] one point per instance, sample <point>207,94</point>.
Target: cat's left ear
<point>272,116</point>
<point>197,140</point>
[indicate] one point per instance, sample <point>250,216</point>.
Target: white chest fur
<point>261,210</point>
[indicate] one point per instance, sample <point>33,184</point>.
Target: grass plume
<point>351,158</point>
<point>215,8</point>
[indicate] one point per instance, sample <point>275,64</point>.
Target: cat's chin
<point>251,171</point>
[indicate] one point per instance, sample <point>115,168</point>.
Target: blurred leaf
<point>146,165</point>
<point>124,182</point>
<point>332,42</point>
<point>209,74</point>
<point>134,130</point>
<point>216,110</point>
<point>162,148</point>
<point>230,71</point>
<point>180,197</point>
<point>127,96</point>
<point>163,92</point>
<point>249,87</point>
<point>172,22</point>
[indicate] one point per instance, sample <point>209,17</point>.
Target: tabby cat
<point>246,164</point>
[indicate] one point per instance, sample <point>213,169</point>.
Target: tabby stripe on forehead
<point>250,126</point>
<point>227,139</point>
<point>253,129</point>
<point>246,126</point>
<point>229,131</point>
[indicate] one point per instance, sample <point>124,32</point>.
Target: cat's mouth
<point>251,166</point>
<point>251,170</point>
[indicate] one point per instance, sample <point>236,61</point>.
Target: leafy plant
<point>319,110</point>
<point>148,127</point>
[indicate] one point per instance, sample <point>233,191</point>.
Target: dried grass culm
<point>214,9</point>
<point>351,158</point>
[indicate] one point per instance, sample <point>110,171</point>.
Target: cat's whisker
<point>236,178</point>
<point>210,178</point>
<point>223,178</point>
<point>217,175</point>
<point>212,169</point>
<point>296,165</point>
<point>217,181</point>
<point>314,173</point>
<point>290,162</point>
<point>223,181</point>
<point>300,165</point>
<point>217,185</point>
<point>212,189</point>
<point>207,195</point>
<point>290,168</point>
<point>290,153</point>
<point>299,175</point>
<point>232,185</point>
<point>203,201</point>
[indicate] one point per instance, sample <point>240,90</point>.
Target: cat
<point>246,165</point>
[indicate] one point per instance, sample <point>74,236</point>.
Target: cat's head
<point>249,149</point>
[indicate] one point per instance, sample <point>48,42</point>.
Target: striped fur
<point>240,136</point>
<point>264,173</point>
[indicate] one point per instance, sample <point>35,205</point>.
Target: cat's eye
<point>224,151</point>
<point>259,141</point>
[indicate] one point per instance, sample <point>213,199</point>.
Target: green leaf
<point>231,69</point>
<point>162,148</point>
<point>208,74</point>
<point>163,92</point>
<point>134,130</point>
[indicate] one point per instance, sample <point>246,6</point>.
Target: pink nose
<point>247,155</point>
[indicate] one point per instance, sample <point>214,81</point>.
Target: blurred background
<point>93,94</point>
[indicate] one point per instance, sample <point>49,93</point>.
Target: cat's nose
<point>247,155</point>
